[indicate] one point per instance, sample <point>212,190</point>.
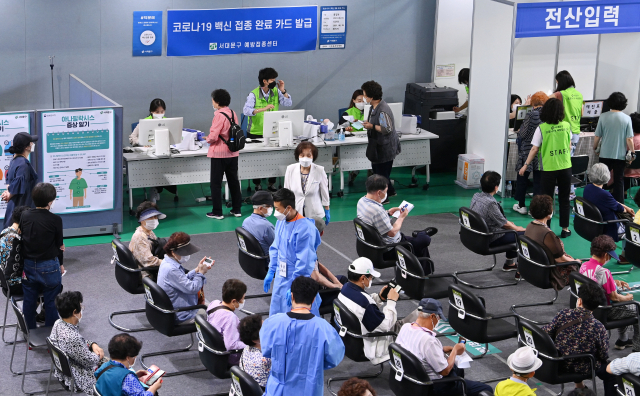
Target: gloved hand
<point>267,281</point>
<point>327,216</point>
<point>289,298</point>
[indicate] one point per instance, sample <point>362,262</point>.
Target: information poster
<point>78,159</point>
<point>10,124</point>
<point>147,33</point>
<point>333,32</point>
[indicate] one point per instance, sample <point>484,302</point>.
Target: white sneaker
<point>153,195</point>
<point>519,209</point>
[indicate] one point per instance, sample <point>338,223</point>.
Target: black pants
<point>608,380</point>
<point>617,166</point>
<point>521,186</point>
<point>219,168</point>
<point>561,178</point>
<point>384,169</point>
<point>420,247</point>
<point>506,239</point>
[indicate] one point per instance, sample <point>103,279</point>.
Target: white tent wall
<point>533,65</point>
<point>619,68</point>
<point>491,58</point>
<point>578,55</point>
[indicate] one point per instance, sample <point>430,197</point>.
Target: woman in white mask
<point>515,102</point>
<point>355,110</point>
<point>309,183</point>
<point>145,245</point>
<point>183,288</point>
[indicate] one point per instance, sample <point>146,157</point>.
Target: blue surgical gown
<point>21,179</point>
<point>301,347</point>
<point>296,243</point>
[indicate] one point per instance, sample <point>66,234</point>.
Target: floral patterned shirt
<point>257,366</point>
<point>140,247</point>
<point>13,274</point>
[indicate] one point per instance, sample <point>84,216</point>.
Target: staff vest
<point>555,152</point>
<point>572,101</point>
<point>110,382</point>
<point>356,114</point>
<point>256,121</point>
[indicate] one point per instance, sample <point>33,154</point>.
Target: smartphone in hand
<point>462,340</point>
<point>208,262</point>
<point>154,375</point>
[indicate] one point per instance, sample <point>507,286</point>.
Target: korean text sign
<point>147,33</point>
<point>241,30</point>
<point>333,32</point>
<point>577,17</point>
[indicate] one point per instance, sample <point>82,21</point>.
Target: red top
<point>220,127</point>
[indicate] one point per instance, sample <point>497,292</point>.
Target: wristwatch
<point>284,92</point>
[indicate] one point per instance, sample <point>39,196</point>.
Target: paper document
<point>357,125</point>
<point>404,205</point>
<point>463,361</point>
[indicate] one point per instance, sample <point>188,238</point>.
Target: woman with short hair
<point>616,133</point>
<point>309,183</point>
<point>84,355</point>
<point>356,387</point>
<point>251,361</point>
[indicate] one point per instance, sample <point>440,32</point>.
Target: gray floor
<point>90,271</point>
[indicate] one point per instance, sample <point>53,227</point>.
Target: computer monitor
<point>396,109</point>
<point>147,130</point>
<point>271,118</point>
<point>521,114</point>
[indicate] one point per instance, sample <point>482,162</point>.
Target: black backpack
<point>236,134</point>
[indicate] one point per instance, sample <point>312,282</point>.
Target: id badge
<point>282,268</point>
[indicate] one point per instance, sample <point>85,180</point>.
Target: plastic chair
<point>6,290</point>
<point>60,361</point>
<point>129,277</point>
<point>252,260</point>
<point>579,167</point>
<point>475,236</point>
<point>408,376</point>
<point>628,384</point>
<point>632,245</point>
<point>535,268</point>
<point>340,113</point>
<point>549,372</point>
<point>162,316</point>
<point>350,329</point>
<point>213,354</point>
<point>469,318</point>
<point>415,284</point>
<point>244,384</point>
<point>576,280</point>
<point>36,338</point>
<point>369,244</point>
<point>95,391</point>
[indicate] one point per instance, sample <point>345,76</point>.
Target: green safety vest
<point>572,101</point>
<point>356,114</point>
<point>466,88</point>
<point>555,152</point>
<point>256,121</point>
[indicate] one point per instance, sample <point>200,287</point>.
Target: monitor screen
<point>522,111</point>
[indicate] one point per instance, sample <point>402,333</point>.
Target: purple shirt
<point>226,322</point>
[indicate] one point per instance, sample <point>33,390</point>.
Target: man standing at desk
<point>266,97</point>
<point>78,189</point>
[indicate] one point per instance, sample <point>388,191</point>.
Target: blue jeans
<point>506,239</point>
<point>41,277</point>
<point>455,388</point>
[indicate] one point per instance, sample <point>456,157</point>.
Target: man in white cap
<point>372,312</point>
<point>523,363</point>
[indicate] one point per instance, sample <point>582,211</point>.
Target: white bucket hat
<point>524,360</point>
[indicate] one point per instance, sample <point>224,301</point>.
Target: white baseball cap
<point>524,360</point>
<point>363,266</point>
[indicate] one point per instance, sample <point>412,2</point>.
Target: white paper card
<point>404,205</point>
<point>628,388</point>
<point>282,268</point>
<point>397,361</point>
<point>359,231</point>
<point>635,234</point>
<point>401,262</point>
<point>243,245</point>
<point>525,250</point>
<point>463,361</point>
<point>200,346</point>
<point>528,337</point>
<point>580,208</point>
<point>465,220</point>
<point>461,313</point>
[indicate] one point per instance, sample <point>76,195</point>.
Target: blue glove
<point>289,298</point>
<point>267,280</point>
<point>327,216</point>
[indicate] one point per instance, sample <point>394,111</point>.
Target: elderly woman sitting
<point>84,356</point>
<point>145,245</point>
<point>542,211</point>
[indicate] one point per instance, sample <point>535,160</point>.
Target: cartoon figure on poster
<point>78,189</point>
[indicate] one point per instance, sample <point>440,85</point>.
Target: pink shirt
<point>220,127</point>
<point>593,270</point>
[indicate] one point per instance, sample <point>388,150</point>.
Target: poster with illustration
<point>78,159</point>
<point>10,124</point>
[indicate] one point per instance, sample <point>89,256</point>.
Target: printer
<point>435,106</point>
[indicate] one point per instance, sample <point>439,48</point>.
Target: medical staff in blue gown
<point>292,253</point>
<point>301,345</point>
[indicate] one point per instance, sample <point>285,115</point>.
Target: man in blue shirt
<point>257,224</point>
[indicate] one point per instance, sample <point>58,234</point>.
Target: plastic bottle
<point>509,189</point>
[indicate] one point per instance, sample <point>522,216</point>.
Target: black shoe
<point>565,234</point>
<point>232,213</point>
<point>624,344</point>
<point>41,317</point>
<point>518,277</point>
<point>271,188</point>
<point>258,187</point>
<point>386,201</point>
<point>510,266</point>
<point>431,231</point>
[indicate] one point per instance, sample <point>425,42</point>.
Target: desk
<point>256,161</point>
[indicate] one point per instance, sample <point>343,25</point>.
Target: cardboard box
<point>470,170</point>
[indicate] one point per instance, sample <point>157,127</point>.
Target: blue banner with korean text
<point>241,30</point>
<point>577,18</point>
<point>147,33</point>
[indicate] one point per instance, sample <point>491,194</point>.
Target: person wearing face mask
<point>43,249</point>
<point>117,376</point>
<point>258,224</point>
<point>419,338</point>
<point>84,355</point>
<point>21,177</point>
<point>463,79</point>
<point>515,102</point>
<point>309,183</point>
<point>145,245</point>
<point>266,97</point>
<point>221,316</point>
<point>182,286</point>
<point>292,253</point>
<point>375,313</point>
<point>355,110</point>
<point>383,141</point>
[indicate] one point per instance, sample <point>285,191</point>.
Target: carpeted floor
<point>90,271</point>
